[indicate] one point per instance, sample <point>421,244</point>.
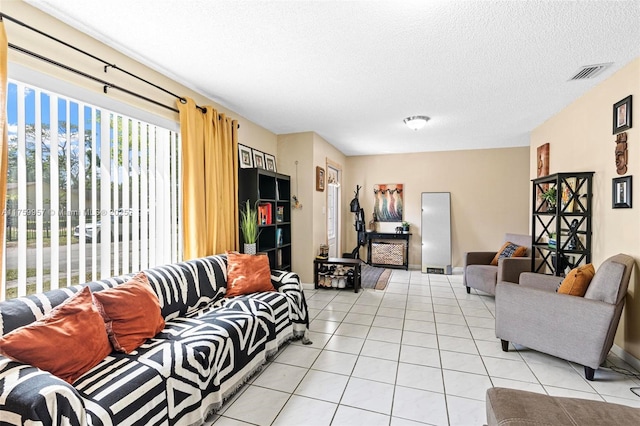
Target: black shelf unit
<point>264,187</point>
<point>569,220</point>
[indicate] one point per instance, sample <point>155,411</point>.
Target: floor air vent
<point>590,71</point>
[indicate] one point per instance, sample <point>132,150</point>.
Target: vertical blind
<point>91,193</point>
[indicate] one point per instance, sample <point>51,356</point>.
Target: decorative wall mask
<point>621,153</point>
<point>543,160</point>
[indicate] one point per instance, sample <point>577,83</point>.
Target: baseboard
<point>306,286</point>
<point>626,356</point>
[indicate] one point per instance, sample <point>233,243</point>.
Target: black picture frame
<point>621,192</point>
<point>622,115</point>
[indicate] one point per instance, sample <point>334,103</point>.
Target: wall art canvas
<point>389,202</point>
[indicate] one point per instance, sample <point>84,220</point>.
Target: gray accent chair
<point>577,329</point>
<point>481,275</point>
<point>517,407</point>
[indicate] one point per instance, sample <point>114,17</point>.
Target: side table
<point>389,237</point>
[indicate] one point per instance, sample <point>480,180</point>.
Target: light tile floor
<point>423,351</point>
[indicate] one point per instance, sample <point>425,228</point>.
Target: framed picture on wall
<point>270,162</point>
<point>622,115</point>
<point>258,159</point>
<point>621,192</point>
<point>245,156</point>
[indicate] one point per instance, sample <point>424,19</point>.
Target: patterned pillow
<point>509,250</point>
<point>131,313</point>
<point>577,280</point>
<point>67,342</point>
<point>247,274</point>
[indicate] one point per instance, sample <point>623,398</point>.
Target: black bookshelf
<point>271,192</point>
<point>569,220</point>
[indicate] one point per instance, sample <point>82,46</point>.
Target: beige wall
<point>250,134</point>
<point>309,224</point>
<point>489,194</point>
<point>581,139</point>
<point>291,148</point>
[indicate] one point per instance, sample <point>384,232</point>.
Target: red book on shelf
<point>264,214</point>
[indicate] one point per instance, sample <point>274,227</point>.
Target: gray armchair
<point>479,274</point>
<point>578,329</point>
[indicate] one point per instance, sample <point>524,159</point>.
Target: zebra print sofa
<point>210,345</point>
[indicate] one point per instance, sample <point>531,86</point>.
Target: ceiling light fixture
<point>416,122</point>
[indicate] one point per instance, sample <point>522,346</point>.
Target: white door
<point>333,211</point>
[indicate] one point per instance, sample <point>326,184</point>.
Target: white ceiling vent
<point>590,71</point>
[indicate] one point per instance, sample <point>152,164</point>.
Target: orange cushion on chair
<point>67,342</point>
<point>509,249</point>
<point>131,313</point>
<point>577,280</point>
<point>247,273</point>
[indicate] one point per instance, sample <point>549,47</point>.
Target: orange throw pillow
<point>577,280</point>
<point>247,273</point>
<point>131,313</point>
<point>67,342</point>
<point>509,249</point>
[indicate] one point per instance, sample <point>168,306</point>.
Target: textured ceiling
<point>486,72</point>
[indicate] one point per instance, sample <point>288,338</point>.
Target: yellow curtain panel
<point>209,181</point>
<point>4,153</point>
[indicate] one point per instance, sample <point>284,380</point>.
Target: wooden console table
<point>400,239</point>
<point>355,263</point>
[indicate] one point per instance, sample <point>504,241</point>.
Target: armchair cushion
<point>577,280</point>
<point>509,249</point>
<point>605,285</point>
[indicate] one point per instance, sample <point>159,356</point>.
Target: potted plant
<point>405,227</point>
<point>249,227</point>
<point>550,196</point>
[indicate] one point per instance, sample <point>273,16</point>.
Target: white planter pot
<point>250,248</point>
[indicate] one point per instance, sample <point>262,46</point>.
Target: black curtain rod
<point>107,65</point>
<point>106,84</point>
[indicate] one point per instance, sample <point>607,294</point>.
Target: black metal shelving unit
<point>570,221</point>
<point>264,187</point>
